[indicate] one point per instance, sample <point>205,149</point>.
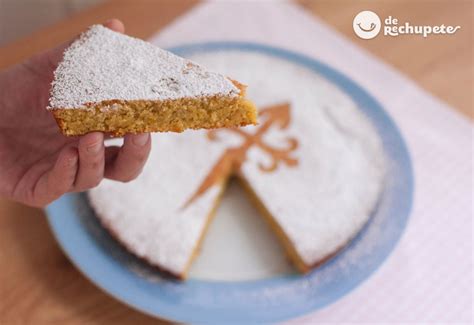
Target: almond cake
<point>111,82</point>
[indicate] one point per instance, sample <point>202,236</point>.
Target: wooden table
<point>37,282</point>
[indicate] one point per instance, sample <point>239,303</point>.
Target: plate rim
<point>177,313</point>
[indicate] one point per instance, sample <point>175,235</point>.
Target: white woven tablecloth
<point>428,277</point>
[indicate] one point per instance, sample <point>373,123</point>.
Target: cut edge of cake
<point>271,222</point>
<point>118,117</point>
<point>209,218</point>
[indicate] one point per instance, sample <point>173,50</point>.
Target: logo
<point>366,24</point>
<point>394,28</point>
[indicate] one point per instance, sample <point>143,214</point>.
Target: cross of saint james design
<point>234,157</point>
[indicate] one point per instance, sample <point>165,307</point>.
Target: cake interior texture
<point>209,219</point>
<point>285,242</point>
<point>119,117</point>
<point>283,239</point>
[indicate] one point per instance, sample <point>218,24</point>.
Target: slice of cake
<point>114,83</point>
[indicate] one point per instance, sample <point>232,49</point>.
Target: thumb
<point>55,55</point>
<point>46,62</point>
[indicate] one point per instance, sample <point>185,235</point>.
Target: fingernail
<point>72,161</point>
<point>95,148</point>
<point>140,139</point>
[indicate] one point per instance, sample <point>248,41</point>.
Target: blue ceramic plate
<point>125,277</point>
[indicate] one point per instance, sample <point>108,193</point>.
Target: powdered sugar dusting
<point>325,200</point>
<point>321,203</point>
<point>106,65</point>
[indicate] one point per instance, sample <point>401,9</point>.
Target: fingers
<point>64,171</point>
<point>81,168</point>
<point>91,161</point>
<point>44,64</point>
<point>58,180</point>
<point>115,25</point>
<point>125,164</point>
<point>56,54</point>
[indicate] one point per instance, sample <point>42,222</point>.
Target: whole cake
<point>114,83</point>
<point>314,166</point>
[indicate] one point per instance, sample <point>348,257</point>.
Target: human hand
<point>37,163</point>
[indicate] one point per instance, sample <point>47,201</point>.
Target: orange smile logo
<point>371,28</point>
